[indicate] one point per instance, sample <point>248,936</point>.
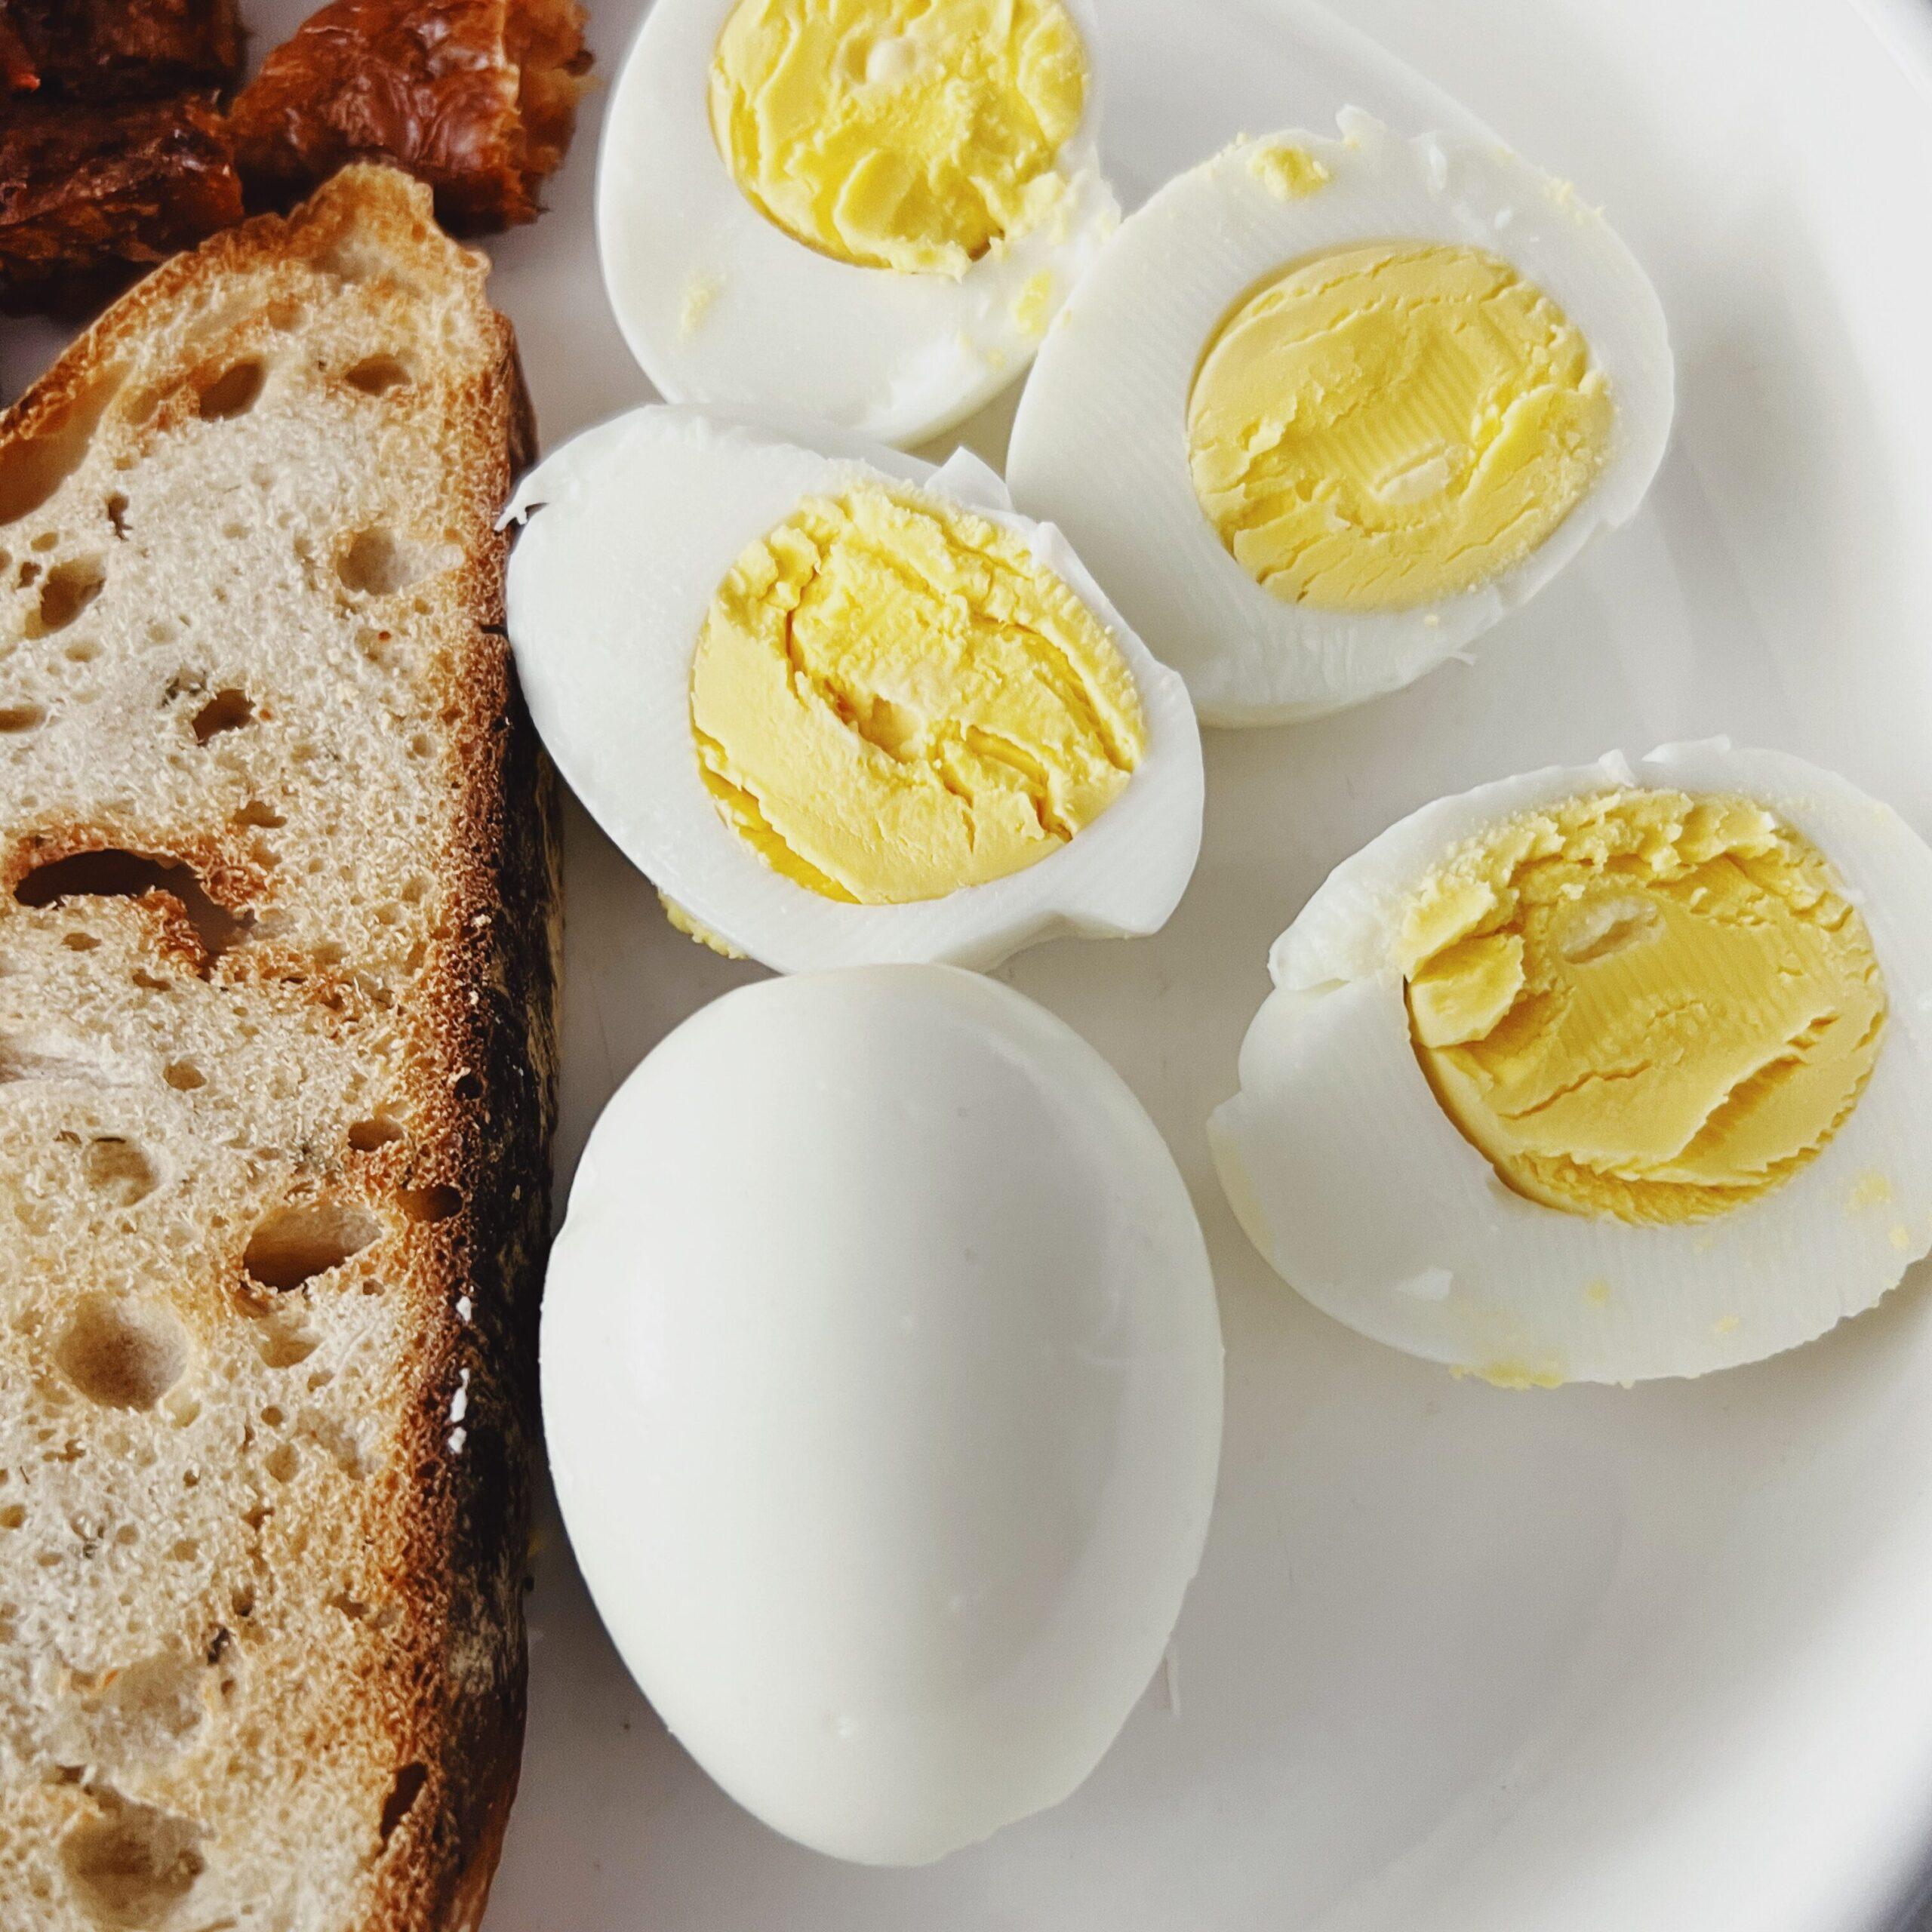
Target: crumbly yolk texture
<point>892,698</point>
<point>1642,1004</point>
<point>1385,426</point>
<point>1286,171</point>
<point>908,134</point>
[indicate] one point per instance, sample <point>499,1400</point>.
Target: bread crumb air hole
<point>132,1865</point>
<point>68,590</point>
<point>296,1244</point>
<point>143,1712</point>
<point>112,872</point>
<point>404,1792</point>
<point>233,392</point>
<point>32,467</point>
<point>377,564</point>
<point>375,374</point>
<point>228,710</point>
<point>366,1136</point>
<point>286,1341</point>
<point>22,717</point>
<point>349,258</point>
<point>429,1205</point>
<point>184,1075</point>
<point>121,1355</point>
<point>119,1170</point>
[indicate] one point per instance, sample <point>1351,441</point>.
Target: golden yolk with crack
<point>892,698</point>
<point>908,134</point>
<point>1387,426</point>
<point>1642,1004</point>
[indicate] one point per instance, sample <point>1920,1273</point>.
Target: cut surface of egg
<point>882,1385</point>
<point>1602,1073</point>
<point>1325,410</point>
<point>867,211</point>
<point>842,706</point>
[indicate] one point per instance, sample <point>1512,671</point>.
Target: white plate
<point>1458,1659</point>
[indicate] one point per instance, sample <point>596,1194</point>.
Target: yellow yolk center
<point>1641,1003</point>
<point>1385,426</point>
<point>910,134</point>
<point>892,698</point>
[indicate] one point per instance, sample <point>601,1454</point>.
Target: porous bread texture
<point>277,943</point>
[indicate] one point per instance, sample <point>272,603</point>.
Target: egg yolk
<point>1286,171</point>
<point>892,698</point>
<point>1642,1004</point>
<point>1387,426</point>
<point>909,134</point>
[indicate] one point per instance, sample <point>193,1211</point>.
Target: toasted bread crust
<point>434,1737</point>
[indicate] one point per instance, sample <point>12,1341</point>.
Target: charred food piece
<point>118,50</point>
<point>476,97</point>
<point>89,195</point>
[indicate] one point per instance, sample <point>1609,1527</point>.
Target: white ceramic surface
<point>1458,1659</point>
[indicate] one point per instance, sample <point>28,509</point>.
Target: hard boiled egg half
<point>882,1385</point>
<point>1325,410</point>
<point>1601,1074</point>
<point>842,706</point>
<point>864,210</point>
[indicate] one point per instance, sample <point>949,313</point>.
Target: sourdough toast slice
<point>277,946</point>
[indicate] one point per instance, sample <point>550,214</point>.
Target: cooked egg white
<point>882,1387</point>
<point>1601,1074</point>
<point>867,211</point>
<point>1325,410</point>
<point>841,706</point>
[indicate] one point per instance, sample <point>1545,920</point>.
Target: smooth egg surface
<point>1601,1074</point>
<point>882,1385</point>
<point>1325,410</point>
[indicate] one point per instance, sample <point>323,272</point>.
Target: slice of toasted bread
<point>277,935</point>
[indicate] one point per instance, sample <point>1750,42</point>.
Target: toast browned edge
<point>487,1000</point>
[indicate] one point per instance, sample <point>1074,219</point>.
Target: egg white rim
<point>1180,265</point>
<point>1447,1263</point>
<point>592,677</point>
<point>916,354</point>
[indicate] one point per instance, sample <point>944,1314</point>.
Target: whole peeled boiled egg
<point>841,706</point>
<point>881,1378</point>
<point>1325,410</point>
<point>1602,1073</point>
<point>864,210</point>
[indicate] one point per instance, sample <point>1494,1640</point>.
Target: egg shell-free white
<point>882,1385</point>
<point>1359,1189</point>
